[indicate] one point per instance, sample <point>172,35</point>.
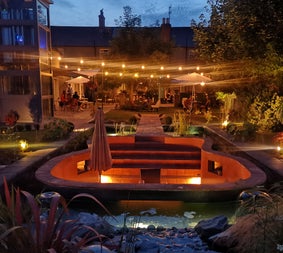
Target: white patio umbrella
<point>191,79</point>
<point>80,80</point>
<point>100,154</point>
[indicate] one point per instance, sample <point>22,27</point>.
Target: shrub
<point>25,227</point>
<point>11,118</point>
<point>78,142</point>
<point>57,129</point>
<point>264,225</point>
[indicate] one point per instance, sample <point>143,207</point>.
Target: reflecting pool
<point>159,213</point>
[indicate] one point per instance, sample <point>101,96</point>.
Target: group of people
<point>70,99</point>
<point>190,104</point>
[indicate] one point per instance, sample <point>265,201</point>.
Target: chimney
<point>165,30</point>
<point>101,19</point>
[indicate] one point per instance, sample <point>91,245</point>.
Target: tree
<point>240,29</point>
<point>128,20</point>
<point>133,41</point>
<point>243,38</point>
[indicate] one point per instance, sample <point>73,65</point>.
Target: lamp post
<point>159,83</point>
<point>102,82</point>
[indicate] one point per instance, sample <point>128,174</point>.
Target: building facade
<point>26,78</point>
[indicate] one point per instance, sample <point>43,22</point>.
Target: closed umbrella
<point>100,155</point>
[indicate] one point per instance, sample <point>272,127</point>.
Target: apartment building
<point>26,85</point>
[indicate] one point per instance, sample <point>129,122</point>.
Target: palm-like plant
<point>23,227</point>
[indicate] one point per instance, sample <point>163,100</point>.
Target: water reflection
<point>161,213</point>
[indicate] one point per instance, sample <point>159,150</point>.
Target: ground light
<point>108,180</point>
<point>23,145</point>
<point>194,180</point>
<point>225,123</point>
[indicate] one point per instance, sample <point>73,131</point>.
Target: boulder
<point>241,237</point>
<point>101,226</point>
<point>209,227</point>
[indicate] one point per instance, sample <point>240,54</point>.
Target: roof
<point>81,36</point>
<point>182,36</point>
<point>101,37</point>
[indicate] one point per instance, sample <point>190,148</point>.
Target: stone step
<point>152,146</point>
<point>156,154</point>
<point>156,163</point>
<point>149,138</point>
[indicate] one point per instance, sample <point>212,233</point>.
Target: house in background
<point>26,85</point>
<point>92,44</point>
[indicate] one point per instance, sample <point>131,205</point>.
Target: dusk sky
<point>85,12</point>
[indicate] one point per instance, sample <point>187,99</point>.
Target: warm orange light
<point>105,179</point>
<point>23,145</point>
<point>225,123</point>
<point>194,180</point>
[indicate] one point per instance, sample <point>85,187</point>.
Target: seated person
<point>76,98</point>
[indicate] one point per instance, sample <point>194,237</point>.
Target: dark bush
<point>58,129</point>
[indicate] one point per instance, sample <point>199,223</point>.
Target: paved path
<point>150,125</point>
<point>81,119</point>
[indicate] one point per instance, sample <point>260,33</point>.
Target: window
<point>46,85</point>
<point>104,52</point>
<point>17,35</point>
<point>43,39</point>
<point>42,14</point>
<point>28,14</point>
<point>215,167</point>
<point>19,85</point>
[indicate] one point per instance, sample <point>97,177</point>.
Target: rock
<point>101,226</point>
<point>210,227</point>
<point>189,215</point>
<point>160,228</point>
<point>151,211</point>
<point>95,249</point>
<point>241,237</point>
<point>150,227</point>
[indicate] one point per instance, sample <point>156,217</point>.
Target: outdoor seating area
<point>192,166</point>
